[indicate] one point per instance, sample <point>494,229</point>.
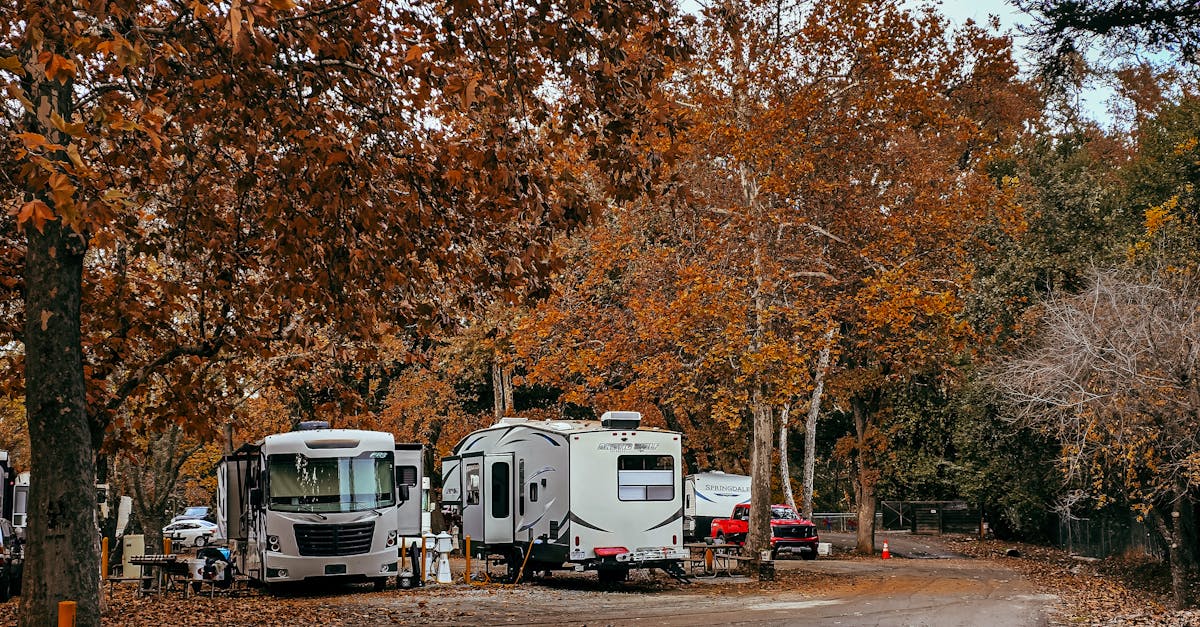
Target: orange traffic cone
<point>887,555</point>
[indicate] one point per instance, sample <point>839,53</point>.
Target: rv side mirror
<point>256,497</point>
<point>402,489</point>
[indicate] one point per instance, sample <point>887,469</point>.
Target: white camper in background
<point>587,495</point>
<point>319,502</point>
<point>710,495</point>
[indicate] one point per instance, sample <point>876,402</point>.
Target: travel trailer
<point>319,502</point>
<point>708,496</point>
<point>587,495</point>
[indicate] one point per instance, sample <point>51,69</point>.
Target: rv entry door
<point>471,467</point>
<point>498,499</point>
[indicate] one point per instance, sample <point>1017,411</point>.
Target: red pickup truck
<point>789,532</point>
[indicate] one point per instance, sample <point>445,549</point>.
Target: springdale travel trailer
<point>708,496</point>
<point>587,495</point>
<point>319,502</point>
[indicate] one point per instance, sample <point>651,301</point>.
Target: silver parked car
<point>191,532</point>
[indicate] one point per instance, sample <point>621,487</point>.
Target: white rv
<point>318,503</point>
<point>587,495</point>
<point>711,495</point>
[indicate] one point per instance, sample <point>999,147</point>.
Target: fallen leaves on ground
<point>1129,589</point>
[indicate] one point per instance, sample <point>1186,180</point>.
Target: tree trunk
<point>502,392</point>
<point>497,391</point>
<point>785,474</point>
<point>810,422</point>
<point>759,537</point>
<point>506,377</point>
<point>864,480</point>
<point>62,556</point>
<point>1174,528</point>
<point>62,559</point>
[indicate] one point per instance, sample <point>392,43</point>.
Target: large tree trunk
<point>864,480</point>
<point>810,422</point>
<point>785,473</point>
<point>62,556</point>
<point>759,537</point>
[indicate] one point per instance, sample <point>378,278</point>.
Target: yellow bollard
<point>467,552</point>
<point>66,614</point>
<point>103,558</point>
<point>166,546</point>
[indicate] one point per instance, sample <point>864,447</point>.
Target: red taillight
<point>576,540</point>
<point>610,551</point>
<point>674,539</point>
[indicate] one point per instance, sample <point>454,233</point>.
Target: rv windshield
<point>298,483</point>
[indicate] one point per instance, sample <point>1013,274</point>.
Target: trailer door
<point>498,501</point>
<point>472,487</point>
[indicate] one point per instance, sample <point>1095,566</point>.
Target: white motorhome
<point>319,502</point>
<point>708,496</point>
<point>587,495</point>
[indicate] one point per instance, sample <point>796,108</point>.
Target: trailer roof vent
<point>621,420</point>
<point>312,425</point>
<point>508,420</point>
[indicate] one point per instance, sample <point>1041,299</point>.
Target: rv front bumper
<point>281,568</point>
<point>643,555</point>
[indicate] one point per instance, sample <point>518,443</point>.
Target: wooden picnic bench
<point>710,560</point>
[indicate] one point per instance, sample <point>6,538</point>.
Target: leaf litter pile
<point>1130,589</point>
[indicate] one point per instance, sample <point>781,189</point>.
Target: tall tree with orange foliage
<point>835,154</point>
<point>214,181</point>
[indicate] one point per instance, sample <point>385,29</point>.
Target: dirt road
<point>840,590</point>
<point>825,592</point>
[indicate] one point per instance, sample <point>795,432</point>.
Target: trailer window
<point>645,478</point>
<point>500,483</point>
<point>472,478</point>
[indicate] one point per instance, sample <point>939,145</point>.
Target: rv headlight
<point>273,543</point>
<point>392,536</point>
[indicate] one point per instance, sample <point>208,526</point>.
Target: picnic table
<point>160,572</point>
<point>710,560</point>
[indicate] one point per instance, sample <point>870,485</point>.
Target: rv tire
<point>809,555</point>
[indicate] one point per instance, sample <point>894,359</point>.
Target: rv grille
<point>332,540</point>
<point>794,531</point>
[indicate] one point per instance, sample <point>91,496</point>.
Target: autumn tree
<point>263,170</point>
<point>1111,376</point>
<point>859,168</point>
